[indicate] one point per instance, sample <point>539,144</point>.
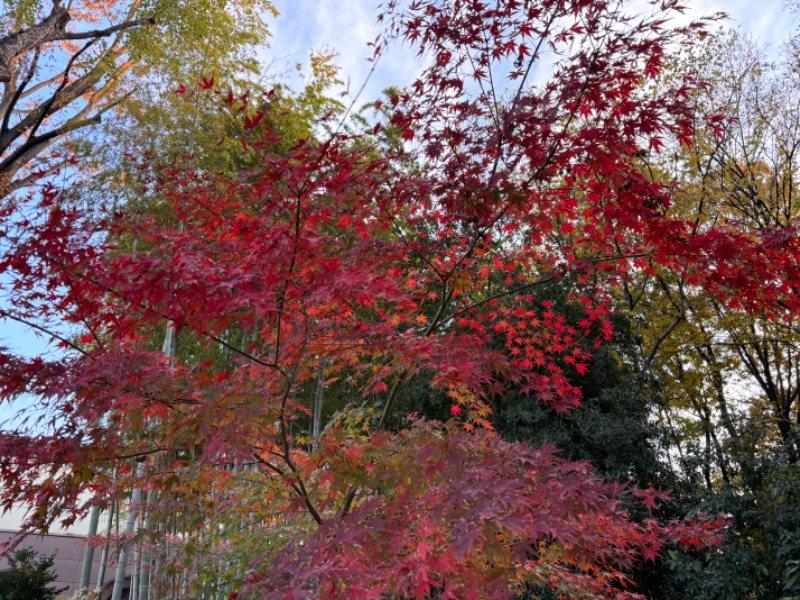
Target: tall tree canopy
<point>727,380</point>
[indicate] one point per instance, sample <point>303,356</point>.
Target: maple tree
<point>190,126</point>
<point>358,261</point>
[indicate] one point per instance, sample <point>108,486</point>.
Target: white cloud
<point>767,20</point>
<point>347,27</point>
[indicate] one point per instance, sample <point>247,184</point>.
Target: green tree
<point>29,577</point>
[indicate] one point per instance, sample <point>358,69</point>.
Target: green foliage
<point>28,577</point>
<point>759,557</point>
<point>22,12</point>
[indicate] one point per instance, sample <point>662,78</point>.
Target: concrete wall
<point>69,549</point>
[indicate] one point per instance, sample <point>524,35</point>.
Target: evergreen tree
<point>29,577</point>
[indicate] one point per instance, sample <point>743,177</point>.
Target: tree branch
<point>53,29</point>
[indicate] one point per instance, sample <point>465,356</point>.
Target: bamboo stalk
<point>88,555</point>
<point>122,565</point>
<point>101,574</point>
